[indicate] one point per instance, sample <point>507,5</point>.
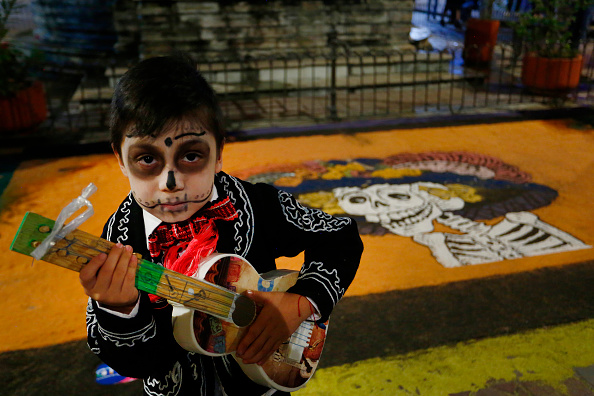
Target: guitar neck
<point>76,249</point>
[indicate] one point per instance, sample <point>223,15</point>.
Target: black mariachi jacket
<point>271,224</point>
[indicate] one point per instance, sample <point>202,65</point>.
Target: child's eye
<point>146,160</point>
<point>192,157</point>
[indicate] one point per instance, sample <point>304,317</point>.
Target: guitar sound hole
<point>245,311</point>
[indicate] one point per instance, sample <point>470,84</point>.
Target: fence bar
<point>294,87</point>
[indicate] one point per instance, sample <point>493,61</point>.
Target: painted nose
<point>170,181</point>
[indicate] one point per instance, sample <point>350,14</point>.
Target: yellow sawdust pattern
<point>546,356</point>
<point>45,305</point>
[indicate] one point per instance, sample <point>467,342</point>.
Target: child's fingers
<point>259,341</point>
<point>274,324</point>
<point>248,339</point>
<point>261,348</point>
<point>128,289</point>
<point>122,289</point>
<point>105,274</point>
<point>121,269</point>
<point>260,298</point>
<point>263,359</point>
<point>256,328</point>
<point>131,273</point>
<point>268,349</point>
<point>88,273</point>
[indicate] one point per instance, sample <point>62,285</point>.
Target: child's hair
<point>159,92</point>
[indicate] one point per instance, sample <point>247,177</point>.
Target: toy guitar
<point>210,314</point>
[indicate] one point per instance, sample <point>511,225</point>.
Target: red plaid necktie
<point>167,235</point>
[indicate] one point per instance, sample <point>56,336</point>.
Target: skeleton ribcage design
<point>520,234</point>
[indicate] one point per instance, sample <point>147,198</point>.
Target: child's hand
<point>109,279</point>
<point>281,315</point>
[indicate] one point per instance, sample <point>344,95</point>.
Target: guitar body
<point>290,367</point>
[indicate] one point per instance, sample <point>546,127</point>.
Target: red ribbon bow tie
<point>169,234</point>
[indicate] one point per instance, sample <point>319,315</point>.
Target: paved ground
<point>408,324</point>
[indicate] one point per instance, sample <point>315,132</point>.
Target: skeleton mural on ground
<point>409,210</point>
<point>408,194</point>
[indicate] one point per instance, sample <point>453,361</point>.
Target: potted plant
<point>22,97</point>
<point>552,61</point>
<point>481,36</point>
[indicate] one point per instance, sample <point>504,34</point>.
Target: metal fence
<point>320,88</point>
<point>306,89</point>
<point>345,86</point>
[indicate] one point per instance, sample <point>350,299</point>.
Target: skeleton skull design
<point>409,210</point>
<point>404,209</point>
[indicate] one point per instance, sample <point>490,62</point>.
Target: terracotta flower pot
<point>551,74</point>
<point>26,109</point>
<point>479,41</point>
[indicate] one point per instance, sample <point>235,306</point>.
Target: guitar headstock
<point>32,231</point>
<point>72,252</point>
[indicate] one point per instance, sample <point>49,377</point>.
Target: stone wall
<point>214,29</point>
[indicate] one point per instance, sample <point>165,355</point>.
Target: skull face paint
<point>404,209</point>
<point>172,175</point>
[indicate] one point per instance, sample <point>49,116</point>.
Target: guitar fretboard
<point>202,296</point>
<point>76,249</point>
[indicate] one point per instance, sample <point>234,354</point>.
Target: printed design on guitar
<point>291,366</point>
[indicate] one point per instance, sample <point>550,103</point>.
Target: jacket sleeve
<point>139,346</point>
<point>332,248</point>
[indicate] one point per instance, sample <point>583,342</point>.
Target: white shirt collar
<point>151,222</point>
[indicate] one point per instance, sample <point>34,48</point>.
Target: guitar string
<point>225,295</point>
<point>226,298</point>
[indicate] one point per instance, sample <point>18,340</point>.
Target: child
<point>167,134</point>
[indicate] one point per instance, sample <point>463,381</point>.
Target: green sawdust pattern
<point>545,355</point>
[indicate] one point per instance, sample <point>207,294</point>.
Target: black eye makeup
<point>189,152</point>
<point>144,160</point>
<point>192,155</point>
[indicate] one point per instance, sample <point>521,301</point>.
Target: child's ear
<point>219,163</point>
<point>120,162</point>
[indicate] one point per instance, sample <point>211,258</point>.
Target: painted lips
<point>176,207</point>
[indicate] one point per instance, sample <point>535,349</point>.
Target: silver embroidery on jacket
<point>244,225</point>
<point>309,219</point>
<point>171,382</point>
<point>129,339</point>
<point>328,279</point>
<point>123,225</point>
<point>92,329</point>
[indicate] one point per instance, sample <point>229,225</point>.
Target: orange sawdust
<point>45,305</point>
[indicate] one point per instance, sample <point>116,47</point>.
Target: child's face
<point>172,175</point>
